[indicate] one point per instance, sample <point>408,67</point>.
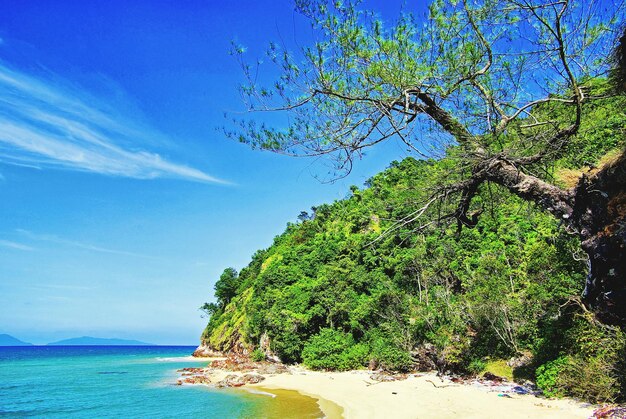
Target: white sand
<point>189,358</point>
<point>416,398</point>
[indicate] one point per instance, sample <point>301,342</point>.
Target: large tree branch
<point>469,190</point>
<point>449,123</point>
<point>428,106</point>
<point>549,197</point>
<point>499,170</point>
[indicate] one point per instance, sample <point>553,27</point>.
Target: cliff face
<point>226,333</point>
<point>205,351</point>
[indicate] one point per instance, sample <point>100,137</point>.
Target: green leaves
<point>363,281</point>
<point>226,287</point>
<point>384,297</point>
<point>548,377</point>
<point>485,64</point>
<point>332,349</point>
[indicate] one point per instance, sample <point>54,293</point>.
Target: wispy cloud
<point>45,123</point>
<point>54,298</point>
<point>60,287</point>
<point>15,245</point>
<point>67,287</point>
<point>80,245</point>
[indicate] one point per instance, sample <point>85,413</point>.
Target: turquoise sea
<point>120,382</point>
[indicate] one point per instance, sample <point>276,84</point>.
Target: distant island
<point>8,340</point>
<point>91,341</point>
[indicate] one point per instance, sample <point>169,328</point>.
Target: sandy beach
<point>354,394</point>
<point>417,397</point>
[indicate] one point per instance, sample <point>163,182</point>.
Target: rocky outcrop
<point>272,369</point>
<point>427,357</point>
<point>234,380</point>
<point>243,371</point>
<point>205,351</point>
<point>610,412</point>
<point>265,347</point>
<point>244,364</point>
<point>193,376</point>
<point>194,379</point>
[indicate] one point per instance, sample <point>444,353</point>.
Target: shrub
<point>287,346</point>
<point>591,379</point>
<point>257,355</point>
<point>548,377</point>
<point>355,357</point>
<point>387,354</point>
<point>595,371</point>
<point>476,366</point>
<point>332,349</point>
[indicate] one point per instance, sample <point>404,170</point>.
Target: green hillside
<point>378,280</point>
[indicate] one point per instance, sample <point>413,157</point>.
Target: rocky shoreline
<point>238,370</point>
<point>234,371</point>
<point>205,351</point>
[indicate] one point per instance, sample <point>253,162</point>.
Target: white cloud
<point>15,245</point>
<point>48,124</point>
<point>72,243</point>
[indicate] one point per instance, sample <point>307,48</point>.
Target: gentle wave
<point>188,358</point>
<point>118,382</point>
<point>259,392</point>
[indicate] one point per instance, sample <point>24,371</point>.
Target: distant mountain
<point>89,341</point>
<point>8,340</point>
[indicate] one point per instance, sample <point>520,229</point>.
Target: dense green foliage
<point>372,281</point>
<point>226,286</point>
<point>334,349</point>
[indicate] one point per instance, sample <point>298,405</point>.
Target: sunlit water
<point>120,381</point>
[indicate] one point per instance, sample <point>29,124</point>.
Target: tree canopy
<point>359,282</point>
<point>507,108</point>
<point>473,82</point>
<point>463,76</point>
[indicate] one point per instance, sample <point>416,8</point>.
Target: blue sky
<point>121,200</point>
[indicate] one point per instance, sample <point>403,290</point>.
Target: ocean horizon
<point>122,381</point>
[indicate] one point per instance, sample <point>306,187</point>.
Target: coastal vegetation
<point>359,283</point>
<point>474,257</point>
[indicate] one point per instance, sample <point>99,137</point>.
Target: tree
<point>473,82</point>
<point>210,309</point>
<point>619,65</point>
<point>226,286</point>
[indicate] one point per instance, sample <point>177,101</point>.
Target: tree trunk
<point>600,217</point>
<point>596,211</point>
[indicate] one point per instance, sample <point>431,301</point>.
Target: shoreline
<point>355,394</point>
<point>421,395</point>
<point>329,409</point>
